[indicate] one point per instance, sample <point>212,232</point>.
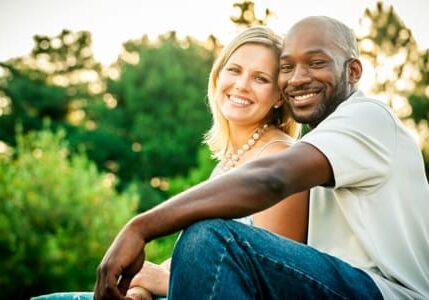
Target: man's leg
<point>218,259</point>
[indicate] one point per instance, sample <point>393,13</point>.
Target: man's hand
<point>124,258</point>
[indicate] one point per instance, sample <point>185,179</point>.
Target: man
<point>369,217</point>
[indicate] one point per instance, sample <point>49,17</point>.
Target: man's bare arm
<point>248,189</point>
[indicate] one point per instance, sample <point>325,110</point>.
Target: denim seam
<point>292,270</point>
<point>218,268</point>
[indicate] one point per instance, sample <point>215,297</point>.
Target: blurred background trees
<point>83,146</point>
<point>57,214</point>
<point>401,69</point>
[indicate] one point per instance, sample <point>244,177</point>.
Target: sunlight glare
<point>4,148</point>
<point>365,27</point>
<point>368,76</point>
<point>400,106</point>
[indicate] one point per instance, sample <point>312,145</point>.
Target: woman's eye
<point>261,79</point>
<point>233,70</point>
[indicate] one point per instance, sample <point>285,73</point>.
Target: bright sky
<point>112,22</point>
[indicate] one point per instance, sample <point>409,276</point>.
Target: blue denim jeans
<point>74,296</point>
<point>223,259</point>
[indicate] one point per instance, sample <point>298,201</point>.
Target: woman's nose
<point>241,82</point>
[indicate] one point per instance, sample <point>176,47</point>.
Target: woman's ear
<point>354,70</point>
<point>279,102</point>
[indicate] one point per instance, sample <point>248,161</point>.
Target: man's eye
<point>317,64</point>
<point>286,68</point>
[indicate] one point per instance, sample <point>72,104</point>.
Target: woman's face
<point>247,85</point>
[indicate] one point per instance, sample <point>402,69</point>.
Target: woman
<point>250,120</point>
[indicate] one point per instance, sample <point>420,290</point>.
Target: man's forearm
<point>246,190</point>
<point>243,191</point>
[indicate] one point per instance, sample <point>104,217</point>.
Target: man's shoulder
<point>359,100</point>
<point>359,106</point>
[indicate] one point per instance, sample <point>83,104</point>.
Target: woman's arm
<point>289,217</point>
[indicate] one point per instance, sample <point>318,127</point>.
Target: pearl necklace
<point>230,160</point>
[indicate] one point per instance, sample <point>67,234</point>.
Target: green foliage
<point>159,250</point>
<point>65,53</point>
<point>145,122</point>
<point>160,106</point>
<point>149,196</point>
<point>390,43</point>
<point>247,16</point>
<point>54,82</point>
<point>32,99</point>
<point>58,215</point>
<point>195,175</point>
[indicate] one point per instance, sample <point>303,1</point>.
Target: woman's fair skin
<point>246,94</point>
<point>248,90</point>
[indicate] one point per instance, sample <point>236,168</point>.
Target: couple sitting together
<point>341,213</point>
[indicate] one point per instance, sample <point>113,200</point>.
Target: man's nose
<point>299,76</point>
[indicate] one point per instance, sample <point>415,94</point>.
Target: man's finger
<point>106,285</point>
<point>123,284</point>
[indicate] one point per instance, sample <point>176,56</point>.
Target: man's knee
<point>201,234</point>
<point>200,240</point>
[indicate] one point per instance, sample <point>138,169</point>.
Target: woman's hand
<point>138,293</point>
<point>153,278</point>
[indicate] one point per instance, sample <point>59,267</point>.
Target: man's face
<point>313,73</point>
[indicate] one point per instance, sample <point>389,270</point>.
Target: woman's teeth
<point>239,101</point>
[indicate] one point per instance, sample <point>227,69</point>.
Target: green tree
<point>401,69</point>
<point>56,81</point>
<point>157,106</point>
<point>419,101</point>
<point>148,123</point>
<point>58,215</point>
<point>247,16</point>
<point>195,175</point>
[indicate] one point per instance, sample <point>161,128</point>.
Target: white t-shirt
<point>376,217</point>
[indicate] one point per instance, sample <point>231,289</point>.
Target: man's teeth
<point>306,96</point>
<point>239,101</point>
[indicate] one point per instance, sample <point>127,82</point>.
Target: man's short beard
<point>326,108</point>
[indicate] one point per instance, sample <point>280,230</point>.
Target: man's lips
<point>302,98</point>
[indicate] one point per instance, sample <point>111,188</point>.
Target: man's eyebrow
<point>309,52</point>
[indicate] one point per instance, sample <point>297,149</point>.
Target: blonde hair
<point>218,137</point>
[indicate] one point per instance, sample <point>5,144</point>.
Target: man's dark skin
<point>317,74</point>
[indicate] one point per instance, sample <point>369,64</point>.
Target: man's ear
<point>355,70</point>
